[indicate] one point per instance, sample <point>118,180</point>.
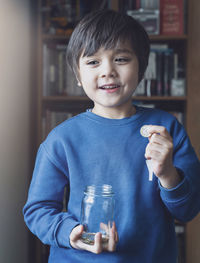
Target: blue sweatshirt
<point>91,150</point>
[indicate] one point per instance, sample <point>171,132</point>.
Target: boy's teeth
<point>109,87</point>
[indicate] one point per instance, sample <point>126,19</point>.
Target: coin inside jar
<point>144,131</point>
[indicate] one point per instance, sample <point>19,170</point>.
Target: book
<point>150,75</point>
<point>168,71</point>
<point>125,5</point>
<point>159,73</point>
<point>50,70</point>
<point>140,90</point>
<point>172,17</point>
<point>58,79</point>
<point>59,17</point>
<point>148,18</point>
<point>164,69</point>
<point>52,118</point>
<point>138,4</point>
<point>162,76</point>
<point>146,4</point>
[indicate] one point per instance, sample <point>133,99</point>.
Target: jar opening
<point>102,190</point>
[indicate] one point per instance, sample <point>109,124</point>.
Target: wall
<point>193,118</point>
<point>15,119</point>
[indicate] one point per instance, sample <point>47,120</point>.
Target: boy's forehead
<point>120,46</point>
<point>125,44</point>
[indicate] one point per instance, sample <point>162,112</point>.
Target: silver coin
<point>144,131</point>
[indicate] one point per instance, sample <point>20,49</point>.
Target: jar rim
<point>99,190</point>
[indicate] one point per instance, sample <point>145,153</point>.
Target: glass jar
<point>97,212</point>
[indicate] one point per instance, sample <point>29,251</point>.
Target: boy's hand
<point>160,151</point>
<point>98,247</point>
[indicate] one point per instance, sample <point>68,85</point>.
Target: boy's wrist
<point>171,180</point>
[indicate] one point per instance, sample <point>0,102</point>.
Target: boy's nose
<point>108,70</point>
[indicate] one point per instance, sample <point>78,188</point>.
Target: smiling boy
<point>109,78</point>
<point>108,53</point>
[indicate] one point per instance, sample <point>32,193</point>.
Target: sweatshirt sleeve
<point>43,211</point>
<point>183,201</point>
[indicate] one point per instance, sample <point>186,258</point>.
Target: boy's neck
<point>115,113</point>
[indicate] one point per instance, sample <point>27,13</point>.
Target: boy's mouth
<point>109,87</point>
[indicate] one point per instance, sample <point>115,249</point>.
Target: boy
<point>108,53</point>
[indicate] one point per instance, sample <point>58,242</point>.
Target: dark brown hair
<point>105,28</point>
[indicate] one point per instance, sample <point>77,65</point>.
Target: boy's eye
<point>92,62</point>
<point>122,60</point>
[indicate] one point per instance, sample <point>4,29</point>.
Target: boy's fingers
<point>114,229</point>
<point>111,242</point>
<point>151,129</point>
<point>158,147</point>
<point>116,237</point>
<point>97,247</point>
<point>76,233</point>
<point>104,227</point>
<point>158,139</point>
<point>113,238</point>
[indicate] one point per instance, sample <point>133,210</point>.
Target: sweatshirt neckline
<point>139,111</point>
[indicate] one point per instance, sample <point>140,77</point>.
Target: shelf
<point>84,98</point>
<point>48,37</point>
<point>160,98</point>
<point>64,98</point>
<point>168,37</point>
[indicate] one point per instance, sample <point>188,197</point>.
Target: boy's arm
<point>43,209</point>
<point>178,171</point>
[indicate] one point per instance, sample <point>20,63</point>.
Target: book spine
<point>137,4</point>
<point>146,4</point>
<point>159,72</point>
<point>168,72</point>
<point>45,70</point>
<point>60,73</point>
<point>140,90</point>
<point>52,71</point>
<point>172,16</point>
<point>150,75</point>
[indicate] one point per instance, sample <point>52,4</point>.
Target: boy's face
<point>109,77</point>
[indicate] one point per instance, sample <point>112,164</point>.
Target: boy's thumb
<point>76,232</point>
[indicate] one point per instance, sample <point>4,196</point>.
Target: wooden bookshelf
<point>190,103</point>
<point>85,98</point>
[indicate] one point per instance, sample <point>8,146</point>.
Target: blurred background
<point>17,124</point>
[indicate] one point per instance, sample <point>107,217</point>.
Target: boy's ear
<point>78,79</point>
